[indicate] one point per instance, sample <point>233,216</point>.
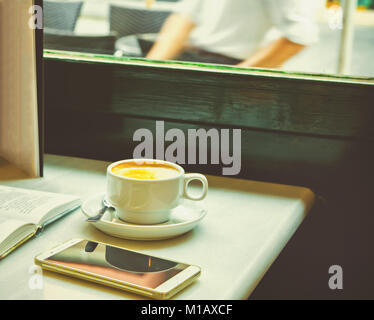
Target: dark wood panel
<point>215,98</point>
<point>326,165</point>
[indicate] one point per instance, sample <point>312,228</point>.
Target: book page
<point>19,142</point>
<point>7,227</point>
<point>29,206</point>
<point>12,234</point>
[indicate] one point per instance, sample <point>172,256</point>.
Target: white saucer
<point>183,218</point>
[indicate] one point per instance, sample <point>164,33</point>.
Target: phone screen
<point>117,263</point>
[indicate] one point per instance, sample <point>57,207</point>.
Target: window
<point>295,36</point>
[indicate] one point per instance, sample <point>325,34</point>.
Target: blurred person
<point>234,31</point>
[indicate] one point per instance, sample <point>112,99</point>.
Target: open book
<point>24,213</point>
<point>20,87</point>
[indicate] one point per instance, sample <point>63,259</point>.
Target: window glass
<point>292,35</point>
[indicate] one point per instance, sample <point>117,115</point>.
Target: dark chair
<point>146,42</point>
<point>128,20</point>
<point>61,15</point>
<point>68,41</point>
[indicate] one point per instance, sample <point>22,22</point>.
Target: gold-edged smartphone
<point>120,268</point>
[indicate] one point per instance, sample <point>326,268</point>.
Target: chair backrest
<point>67,40</point>
<point>130,20</point>
<point>61,15</point>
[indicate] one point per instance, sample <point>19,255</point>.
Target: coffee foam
<point>146,170</point>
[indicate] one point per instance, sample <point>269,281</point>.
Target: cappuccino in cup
<point>144,191</point>
<point>145,171</point>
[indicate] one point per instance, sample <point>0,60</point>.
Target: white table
<point>247,226</point>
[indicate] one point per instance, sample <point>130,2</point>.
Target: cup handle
<point>195,176</point>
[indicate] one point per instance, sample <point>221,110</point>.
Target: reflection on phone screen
<point>118,264</point>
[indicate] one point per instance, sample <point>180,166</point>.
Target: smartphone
<point>120,268</point>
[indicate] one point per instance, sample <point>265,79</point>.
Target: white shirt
<point>236,28</point>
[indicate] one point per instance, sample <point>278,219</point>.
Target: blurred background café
<point>319,36</point>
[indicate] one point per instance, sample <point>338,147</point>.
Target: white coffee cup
<point>149,201</point>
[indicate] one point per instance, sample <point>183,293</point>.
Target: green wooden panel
<point>316,107</point>
<point>313,132</point>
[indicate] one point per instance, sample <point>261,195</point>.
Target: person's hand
<point>172,38</point>
<point>274,55</point>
